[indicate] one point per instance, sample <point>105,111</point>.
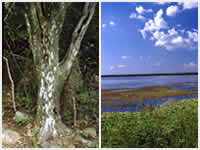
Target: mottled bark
<point>51,84</point>
<point>44,33</point>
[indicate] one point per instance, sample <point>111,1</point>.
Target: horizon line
<point>151,74</point>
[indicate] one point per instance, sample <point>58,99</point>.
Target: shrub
<point>21,121</point>
<point>173,126</point>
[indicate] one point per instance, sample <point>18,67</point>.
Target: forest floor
<point>23,134</point>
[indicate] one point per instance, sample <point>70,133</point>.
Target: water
<point>187,82</point>
<point>139,82</point>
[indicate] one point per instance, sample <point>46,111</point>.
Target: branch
<point>8,6</point>
<point>34,31</point>
<point>59,12</point>
<point>34,17</point>
<point>58,17</point>
<point>75,111</point>
<point>77,37</point>
<point>15,55</point>
<point>12,84</point>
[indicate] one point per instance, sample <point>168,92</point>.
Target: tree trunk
<point>44,42</point>
<point>48,107</point>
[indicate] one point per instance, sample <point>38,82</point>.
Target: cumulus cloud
<point>112,23</point>
<point>134,15</point>
<point>193,35</point>
<point>172,32</point>
<point>177,40</point>
<point>159,21</point>
<point>141,10</point>
<point>103,25</point>
<point>190,65</point>
<point>156,24</point>
<point>189,4</point>
<point>172,10</point>
<point>169,38</point>
<point>173,39</point>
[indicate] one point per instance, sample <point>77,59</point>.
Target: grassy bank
<point>172,126</point>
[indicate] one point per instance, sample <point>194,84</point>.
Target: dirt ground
<point>27,133</point>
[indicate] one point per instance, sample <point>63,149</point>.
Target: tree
<point>44,26</point>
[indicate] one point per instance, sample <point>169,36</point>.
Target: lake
<point>185,82</point>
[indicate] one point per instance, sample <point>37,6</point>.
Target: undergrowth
<point>174,126</point>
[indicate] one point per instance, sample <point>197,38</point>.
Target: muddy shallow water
<point>132,93</point>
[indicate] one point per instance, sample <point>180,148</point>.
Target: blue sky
<point>149,37</point>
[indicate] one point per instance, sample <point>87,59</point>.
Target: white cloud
<point>112,23</point>
<point>182,31</point>
<point>141,10</point>
<point>195,30</point>
<point>178,25</point>
<point>170,39</point>
<point>112,67</point>
<point>161,3</point>
<point>124,57</point>
<point>172,10</point>
<point>173,39</point>
<point>177,40</point>
<point>141,17</point>
<point>193,36</point>
<point>190,65</point>
<point>189,4</point>
<point>103,25</point>
<point>172,32</point>
<point>141,58</point>
<point>134,15</point>
<point>121,66</point>
<point>154,25</point>
<point>159,21</point>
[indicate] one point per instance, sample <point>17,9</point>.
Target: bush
<point>20,121</point>
<point>174,126</point>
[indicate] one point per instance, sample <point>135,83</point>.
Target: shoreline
<point>153,74</point>
<point>122,100</point>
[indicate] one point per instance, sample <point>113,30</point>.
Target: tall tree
<point>44,29</point>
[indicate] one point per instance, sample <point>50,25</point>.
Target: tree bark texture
<point>44,32</point>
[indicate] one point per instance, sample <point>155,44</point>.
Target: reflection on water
<point>154,102</point>
<point>189,82</point>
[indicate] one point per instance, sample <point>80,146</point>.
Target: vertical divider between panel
<point>99,73</point>
<point>1,41</point>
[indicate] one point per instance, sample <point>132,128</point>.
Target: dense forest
<point>50,74</point>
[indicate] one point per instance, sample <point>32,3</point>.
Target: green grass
<point>174,126</point>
